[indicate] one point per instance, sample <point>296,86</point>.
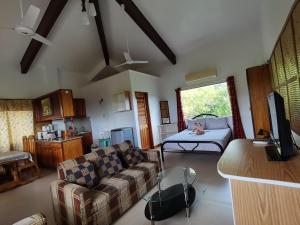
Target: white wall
<point>38,81</point>
<point>141,82</point>
<point>71,80</point>
<point>101,115</point>
<point>273,16</point>
<point>230,57</point>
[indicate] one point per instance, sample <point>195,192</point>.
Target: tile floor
<point>211,207</point>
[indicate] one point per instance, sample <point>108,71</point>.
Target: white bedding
<point>221,136</point>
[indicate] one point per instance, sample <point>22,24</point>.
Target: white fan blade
<point>140,62</point>
<point>127,56</point>
<point>21,8</point>
<point>41,39</point>
<point>31,16</point>
<point>123,64</point>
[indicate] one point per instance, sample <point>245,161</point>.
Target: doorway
<point>144,120</point>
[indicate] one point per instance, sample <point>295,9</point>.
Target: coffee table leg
<point>186,196</point>
<point>187,210</point>
<point>150,211</point>
<point>186,193</point>
<point>159,178</point>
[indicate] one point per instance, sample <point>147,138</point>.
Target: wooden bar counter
<point>51,153</point>
<point>263,192</point>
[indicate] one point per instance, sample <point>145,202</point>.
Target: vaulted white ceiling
<point>185,25</point>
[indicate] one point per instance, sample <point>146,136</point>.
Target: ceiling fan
<point>27,23</point>
<point>128,59</point>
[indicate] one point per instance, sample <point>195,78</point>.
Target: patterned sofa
<point>104,204</point>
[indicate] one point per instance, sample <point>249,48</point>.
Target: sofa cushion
<point>83,174</point>
<point>216,123</point>
<point>132,156</point>
<point>104,204</point>
<point>108,165</point>
<point>93,156</point>
<point>127,187</point>
<point>191,123</point>
<point>123,146</point>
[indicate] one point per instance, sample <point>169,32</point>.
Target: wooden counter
<point>51,153</point>
<point>247,162</point>
<point>263,192</point>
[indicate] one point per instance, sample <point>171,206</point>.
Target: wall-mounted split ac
<point>201,76</point>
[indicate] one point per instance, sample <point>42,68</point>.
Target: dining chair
<point>29,146</point>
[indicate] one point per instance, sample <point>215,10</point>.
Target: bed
<point>215,138</point>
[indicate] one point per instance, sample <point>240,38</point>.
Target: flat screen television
<point>280,128</point>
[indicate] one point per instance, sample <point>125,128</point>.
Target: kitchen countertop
<point>60,140</point>
<point>82,133</point>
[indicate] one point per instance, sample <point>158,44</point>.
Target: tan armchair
<point>36,219</point>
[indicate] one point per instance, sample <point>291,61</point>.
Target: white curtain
<point>16,121</point>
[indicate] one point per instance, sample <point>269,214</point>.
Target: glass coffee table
<point>175,192</point>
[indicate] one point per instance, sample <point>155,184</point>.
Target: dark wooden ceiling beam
<point>138,17</point>
<point>52,13</point>
<point>101,33</point>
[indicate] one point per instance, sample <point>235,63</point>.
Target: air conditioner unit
<point>203,75</point>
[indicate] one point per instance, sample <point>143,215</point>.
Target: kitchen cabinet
<point>87,141</point>
<point>66,101</point>
<point>79,107</point>
<point>44,154</point>
<point>51,153</point>
<point>72,149</point>
<point>59,105</point>
<point>37,110</point>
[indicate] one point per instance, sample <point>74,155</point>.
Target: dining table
<point>9,162</point>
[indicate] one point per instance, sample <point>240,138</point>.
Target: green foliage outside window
<point>212,99</point>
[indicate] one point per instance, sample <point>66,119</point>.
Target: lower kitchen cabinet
<point>51,153</point>
<point>87,141</point>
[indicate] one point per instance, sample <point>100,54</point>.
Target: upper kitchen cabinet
<point>79,107</point>
<point>66,97</point>
<point>53,106</point>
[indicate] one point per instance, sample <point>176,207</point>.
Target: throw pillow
<point>191,123</point>
<point>132,156</point>
<point>108,165</point>
<point>198,129</point>
<point>83,174</point>
<point>216,123</point>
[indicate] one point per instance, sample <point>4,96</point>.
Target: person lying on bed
<point>198,129</point>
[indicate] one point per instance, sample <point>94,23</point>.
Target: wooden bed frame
<point>203,115</point>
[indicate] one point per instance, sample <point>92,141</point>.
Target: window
<point>213,99</point>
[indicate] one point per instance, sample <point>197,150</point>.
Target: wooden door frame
<point>148,115</point>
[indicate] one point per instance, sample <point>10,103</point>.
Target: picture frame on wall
<point>46,107</point>
<point>164,112</point>
<point>122,102</point>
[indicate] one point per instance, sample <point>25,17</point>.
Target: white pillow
<point>216,123</point>
<point>191,123</point>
